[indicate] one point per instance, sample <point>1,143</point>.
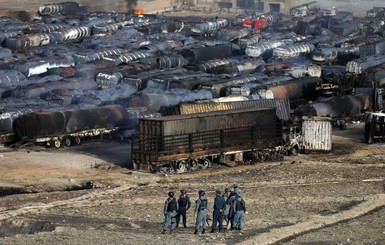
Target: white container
<point>317,133</point>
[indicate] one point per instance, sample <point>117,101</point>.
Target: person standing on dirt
<point>184,204</point>
<point>200,212</point>
<point>219,208</point>
<point>170,208</point>
<point>227,209</point>
<point>239,207</point>
<point>229,202</point>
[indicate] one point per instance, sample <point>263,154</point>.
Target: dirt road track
<point>73,201</point>
<point>274,236</point>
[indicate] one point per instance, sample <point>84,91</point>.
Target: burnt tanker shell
<point>43,124</point>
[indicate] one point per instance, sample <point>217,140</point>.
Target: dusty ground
<point>313,198</point>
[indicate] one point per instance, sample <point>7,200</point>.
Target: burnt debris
<point>68,61</point>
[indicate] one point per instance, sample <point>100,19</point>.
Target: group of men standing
<point>229,207</point>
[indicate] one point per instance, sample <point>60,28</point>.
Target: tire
<point>57,144</point>
<point>181,166</point>
<point>78,140</point>
<point>343,126</point>
<point>154,168</point>
<point>67,142</point>
<point>293,151</point>
<point>194,165</point>
<point>206,164</point>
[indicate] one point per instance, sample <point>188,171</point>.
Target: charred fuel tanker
<point>54,128</point>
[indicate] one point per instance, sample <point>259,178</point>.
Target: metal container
<point>317,133</point>
<point>296,89</point>
<point>208,53</point>
<point>202,122</point>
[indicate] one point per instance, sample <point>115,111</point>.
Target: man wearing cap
<point>239,207</point>
<point>200,212</point>
<point>219,208</point>
<point>170,210</point>
<point>184,204</point>
<point>229,202</point>
<point>227,209</point>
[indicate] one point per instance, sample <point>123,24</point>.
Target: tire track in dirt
<point>73,201</point>
<point>316,222</point>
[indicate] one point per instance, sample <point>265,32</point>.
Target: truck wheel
<point>293,151</point>
<point>370,140</point>
<point>153,168</point>
<point>67,142</point>
<point>206,164</point>
<point>77,140</point>
<point>194,165</point>
<point>57,144</point>
<point>181,166</point>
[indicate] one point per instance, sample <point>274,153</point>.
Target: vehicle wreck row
<point>322,63</point>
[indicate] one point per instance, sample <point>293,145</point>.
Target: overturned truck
<point>195,141</point>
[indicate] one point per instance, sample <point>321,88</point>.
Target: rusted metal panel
<point>282,106</point>
<point>202,122</point>
<point>317,133</point>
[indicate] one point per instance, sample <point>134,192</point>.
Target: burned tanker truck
<point>70,126</point>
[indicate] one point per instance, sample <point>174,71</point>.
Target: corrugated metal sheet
<point>317,133</point>
<point>282,106</point>
<point>202,122</point>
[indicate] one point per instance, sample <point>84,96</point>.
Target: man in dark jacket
<point>219,208</point>
<point>184,204</point>
<point>170,210</point>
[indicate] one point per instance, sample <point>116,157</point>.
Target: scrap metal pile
<point>68,59</point>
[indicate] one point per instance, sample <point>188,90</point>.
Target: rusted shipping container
<point>188,142</point>
<point>200,122</point>
<point>317,133</point>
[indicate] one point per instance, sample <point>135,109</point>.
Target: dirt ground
<point>87,194</point>
<point>313,198</point>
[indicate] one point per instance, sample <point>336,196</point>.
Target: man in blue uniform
<point>239,207</point>
<point>170,209</point>
<point>219,208</point>
<point>200,212</point>
<point>227,209</point>
<point>184,204</point>
<point>229,202</point>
